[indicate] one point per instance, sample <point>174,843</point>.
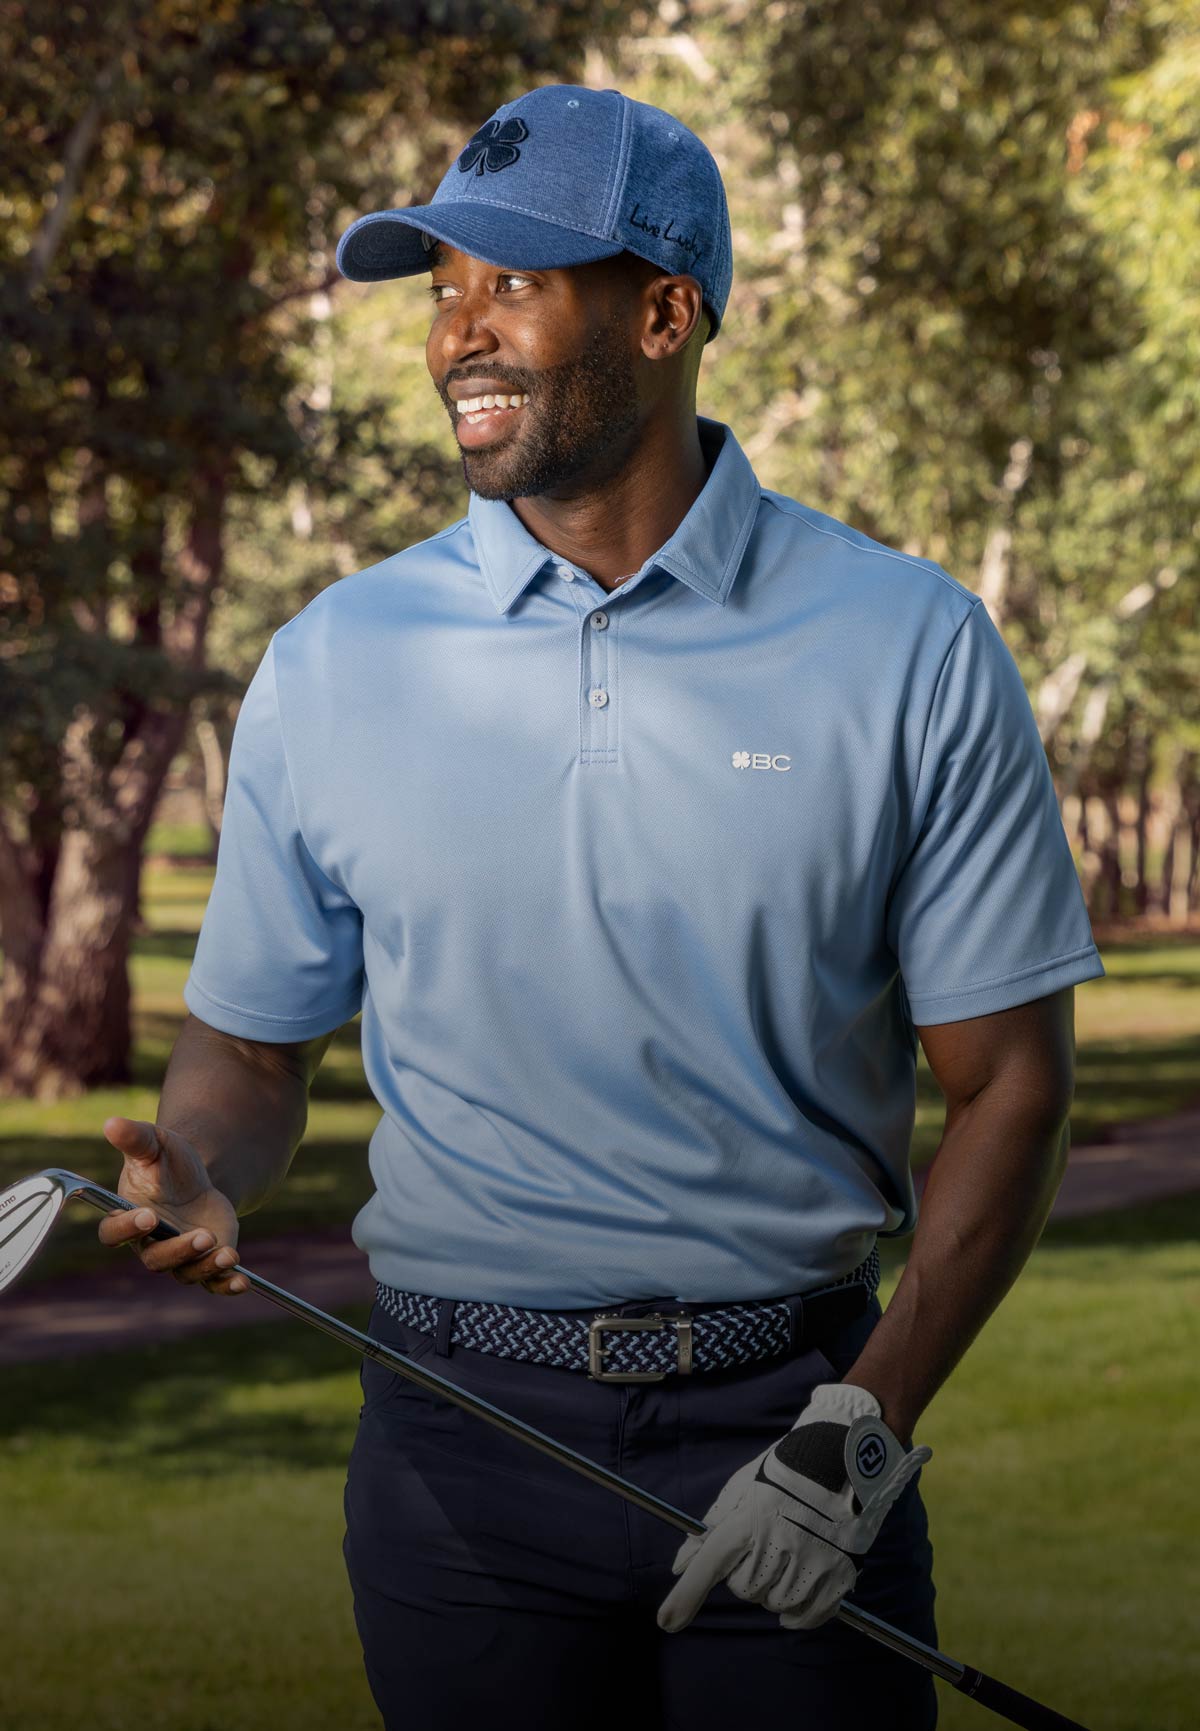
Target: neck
<point>610,526</point>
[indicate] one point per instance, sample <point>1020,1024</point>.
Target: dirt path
<point>121,1306</point>
<point>1139,1161</point>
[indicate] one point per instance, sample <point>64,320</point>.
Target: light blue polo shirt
<point>640,894</point>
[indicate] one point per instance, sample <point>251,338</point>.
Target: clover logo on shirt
<point>494,147</point>
<point>741,760</point>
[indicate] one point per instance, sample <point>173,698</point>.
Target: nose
<point>463,332</point>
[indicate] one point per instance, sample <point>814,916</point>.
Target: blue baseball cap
<point>562,176</point>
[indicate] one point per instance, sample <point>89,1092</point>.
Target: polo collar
<point>705,551</point>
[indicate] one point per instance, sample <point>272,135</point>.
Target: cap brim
<point>387,243</point>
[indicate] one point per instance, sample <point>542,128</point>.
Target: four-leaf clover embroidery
<point>494,146</point>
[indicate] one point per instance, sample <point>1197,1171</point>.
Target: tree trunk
<point>65,997</point>
<point>83,133</point>
<point>212,758</point>
<point>1143,769</point>
<point>1110,855</point>
<point>73,1030</point>
<point>1173,831</point>
<point>22,931</point>
<point>1192,885</point>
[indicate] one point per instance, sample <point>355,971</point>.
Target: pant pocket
<point>379,1384</point>
<point>841,1351</point>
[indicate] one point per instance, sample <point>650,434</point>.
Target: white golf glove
<point>791,1528</point>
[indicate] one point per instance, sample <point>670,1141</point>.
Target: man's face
<point>563,340</point>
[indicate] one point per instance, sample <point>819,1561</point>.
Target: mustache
<point>505,382</point>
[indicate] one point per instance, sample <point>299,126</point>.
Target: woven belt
<point>613,1346</point>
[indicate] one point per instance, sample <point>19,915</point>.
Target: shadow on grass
<point>1165,1221</point>
<point>176,946</point>
<point>1133,936</point>
<point>1113,1075</point>
<point>1169,1220</point>
<point>259,1394</point>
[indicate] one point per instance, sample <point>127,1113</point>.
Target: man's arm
<point>230,1118</point>
<point>1008,1079</point>
<point>243,1104</point>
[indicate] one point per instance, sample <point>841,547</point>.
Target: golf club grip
<point>1012,1705</point>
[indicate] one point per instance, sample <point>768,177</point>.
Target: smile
<point>487,420</point>
<point>473,409</point>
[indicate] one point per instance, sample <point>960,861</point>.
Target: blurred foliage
<point>963,297</point>
<point>160,323</point>
<point>997,217</point>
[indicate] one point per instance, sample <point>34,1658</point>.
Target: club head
<point>27,1214</point>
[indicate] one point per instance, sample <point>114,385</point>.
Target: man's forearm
<point>244,1111</point>
<point>990,1189</point>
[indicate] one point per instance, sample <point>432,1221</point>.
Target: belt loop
<point>445,1318</point>
<point>796,1331</point>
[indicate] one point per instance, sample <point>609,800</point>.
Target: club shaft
<point>387,1356</point>
<point>1019,1709</point>
<point>429,1379</point>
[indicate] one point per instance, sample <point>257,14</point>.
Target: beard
<point>580,422</point>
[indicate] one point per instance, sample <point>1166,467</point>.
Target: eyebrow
<point>434,256</point>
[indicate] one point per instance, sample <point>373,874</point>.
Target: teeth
<point>473,405</point>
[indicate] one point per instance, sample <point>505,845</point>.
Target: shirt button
<point>599,621</point>
<point>597,698</point>
<point>566,573</point>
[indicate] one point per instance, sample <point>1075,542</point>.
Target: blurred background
<point>965,319</point>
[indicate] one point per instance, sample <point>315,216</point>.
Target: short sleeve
<point>986,909</point>
<point>280,954</point>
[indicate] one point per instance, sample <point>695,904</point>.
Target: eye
<point>435,289</point>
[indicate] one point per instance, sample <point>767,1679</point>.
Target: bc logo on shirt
<point>760,760</point>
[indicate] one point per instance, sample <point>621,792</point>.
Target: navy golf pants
<point>495,1587</point>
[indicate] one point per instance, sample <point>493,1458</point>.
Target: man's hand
<point>165,1172</point>
<point>791,1528</point>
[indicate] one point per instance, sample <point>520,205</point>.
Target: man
<point>650,817</point>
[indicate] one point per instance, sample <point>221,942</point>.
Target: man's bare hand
<point>164,1173</point>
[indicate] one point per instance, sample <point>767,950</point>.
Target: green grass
<point>172,1533</point>
<point>179,841</point>
<point>1138,1038</point>
<point>174,1514</point>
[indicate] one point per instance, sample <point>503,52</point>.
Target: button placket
<point>597,684</point>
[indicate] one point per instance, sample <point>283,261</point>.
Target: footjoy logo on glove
<point>870,1454</point>
<point>760,760</point>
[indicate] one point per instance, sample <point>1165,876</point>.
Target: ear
<point>674,308</point>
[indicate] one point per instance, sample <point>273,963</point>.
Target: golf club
<point>30,1208</point>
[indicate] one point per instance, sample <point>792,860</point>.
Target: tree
<point>987,324</point>
<point>177,173</point>
<point>964,319</point>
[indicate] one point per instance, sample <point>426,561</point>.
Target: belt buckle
<point>609,1320</point>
